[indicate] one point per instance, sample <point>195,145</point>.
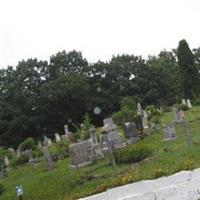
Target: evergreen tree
<point>188,72</point>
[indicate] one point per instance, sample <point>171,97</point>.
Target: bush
<point>59,150</point>
<point>197,102</point>
<point>183,107</point>
<point>1,189</point>
<point>154,114</point>
<point>123,116</point>
<point>159,172</point>
<point>188,165</point>
<point>133,153</point>
<point>29,143</point>
<point>20,161</point>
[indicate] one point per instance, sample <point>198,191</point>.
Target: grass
<point>64,183</point>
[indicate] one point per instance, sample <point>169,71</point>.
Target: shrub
<point>86,126</point>
<point>159,172</point>
<point>188,165</point>
<point>1,189</point>
<point>197,102</point>
<point>183,107</point>
<point>59,150</point>
<point>154,114</point>
<point>29,143</point>
<point>20,161</point>
<point>132,153</point>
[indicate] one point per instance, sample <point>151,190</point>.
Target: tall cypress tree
<point>188,73</point>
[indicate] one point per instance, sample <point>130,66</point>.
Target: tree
<point>188,72</point>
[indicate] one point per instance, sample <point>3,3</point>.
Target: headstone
<point>39,145</point>
<point>145,120</point>
<point>169,133</point>
<point>29,154</point>
<point>57,137</point>
<point>95,152</point>
<point>6,161</point>
<point>130,130</point>
<point>176,116</point>
<point>110,133</point>
<point>183,102</point>
<point>12,151</point>
<point>47,141</point>
<point>139,109</point>
<point>47,158</point>
<point>63,137</point>
<point>79,153</point>
<point>189,103</point>
<point>93,135</point>
<point>18,153</point>
<point>66,129</point>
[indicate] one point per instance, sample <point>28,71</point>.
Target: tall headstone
<point>110,133</point>
<point>93,135</point>
<point>29,154</point>
<point>57,137</point>
<point>131,133</point>
<point>176,116</point>
<point>183,102</point>
<point>139,109</point>
<point>6,161</point>
<point>145,120</point>
<point>47,158</point>
<point>189,103</point>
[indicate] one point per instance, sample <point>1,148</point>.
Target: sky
<point>97,28</point>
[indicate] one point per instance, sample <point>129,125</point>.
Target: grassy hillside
<point>63,183</point>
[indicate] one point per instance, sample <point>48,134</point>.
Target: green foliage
<point>29,143</point>
<point>1,189</point>
<point>154,114</point>
<point>22,159</point>
<point>133,153</point>
<point>127,112</point>
<point>86,126</point>
<point>183,107</point>
<point>188,71</point>
<point>159,172</point>
<point>59,150</point>
<point>197,102</point>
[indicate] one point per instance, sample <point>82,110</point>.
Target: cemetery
<point>65,167</point>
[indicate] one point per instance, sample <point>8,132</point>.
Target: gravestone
<point>18,153</point>
<point>131,133</point>
<point>145,120</point>
<point>79,153</point>
<point>169,133</point>
<point>29,154</point>
<point>110,133</point>
<point>12,152</point>
<point>39,145</point>
<point>139,109</point>
<point>6,161</point>
<point>183,102</point>
<point>57,137</point>
<point>93,135</point>
<point>47,158</point>
<point>189,103</point>
<point>176,116</point>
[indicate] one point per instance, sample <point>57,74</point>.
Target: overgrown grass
<point>63,183</point>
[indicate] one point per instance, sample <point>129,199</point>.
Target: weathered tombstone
<point>79,154</point>
<point>29,154</point>
<point>49,142</point>
<point>130,130</point>
<point>6,161</point>
<point>189,103</point>
<point>93,135</point>
<point>176,116</point>
<point>131,133</point>
<point>139,109</point>
<point>18,153</point>
<point>12,151</point>
<point>57,137</point>
<point>39,145</point>
<point>169,133</point>
<point>145,120</point>
<point>110,132</point>
<point>66,129</point>
<point>63,137</point>
<point>183,102</point>
<point>47,158</point>
<point>95,152</point>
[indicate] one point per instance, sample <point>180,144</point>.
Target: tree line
<point>38,97</point>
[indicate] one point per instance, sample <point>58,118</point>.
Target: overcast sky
<point>98,28</point>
